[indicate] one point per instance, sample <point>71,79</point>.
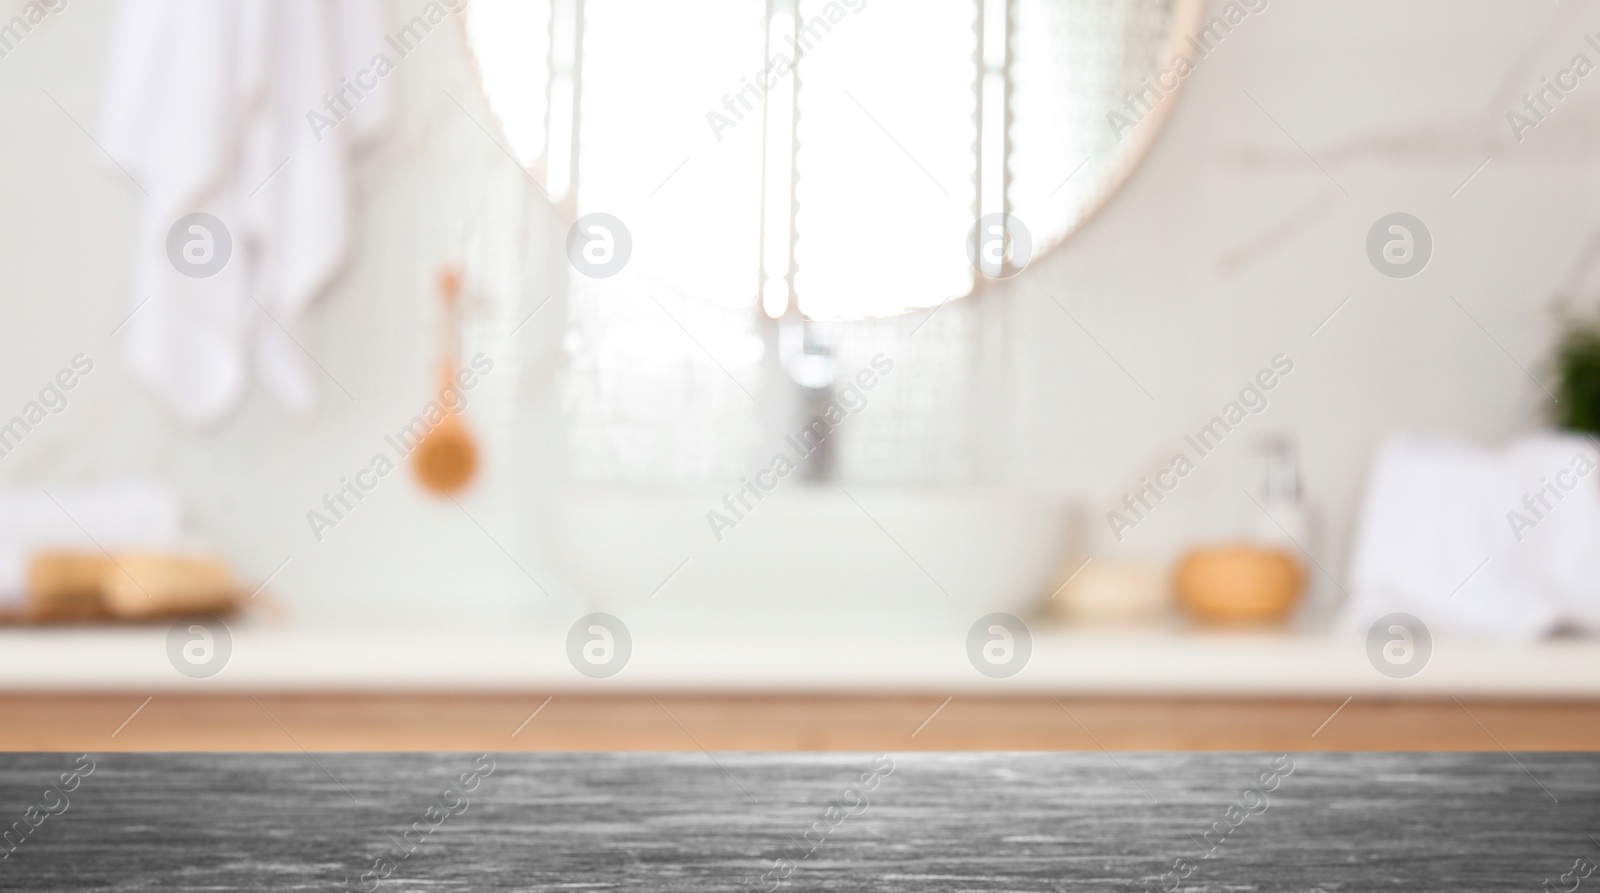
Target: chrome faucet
<point>808,354</point>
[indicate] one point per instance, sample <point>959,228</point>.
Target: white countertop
<point>1079,663</point>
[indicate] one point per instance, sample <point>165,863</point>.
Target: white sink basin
<point>815,557</point>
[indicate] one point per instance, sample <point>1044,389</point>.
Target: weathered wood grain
<point>691,822</point>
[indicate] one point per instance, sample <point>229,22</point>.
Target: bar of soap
<point>1112,592</point>
<point>66,586</point>
<point>139,585</point>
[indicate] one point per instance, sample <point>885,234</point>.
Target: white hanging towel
<point>1494,544</point>
<point>249,111</point>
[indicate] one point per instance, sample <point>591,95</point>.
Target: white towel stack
<point>125,515</point>
<point>1501,544</point>
<point>207,106</point>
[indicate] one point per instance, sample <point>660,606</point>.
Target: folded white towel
<point>125,515</point>
<point>1497,544</point>
<point>207,106</point>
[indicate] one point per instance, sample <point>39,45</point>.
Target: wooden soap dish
<point>93,587</point>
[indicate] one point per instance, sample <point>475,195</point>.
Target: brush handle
<point>449,283</point>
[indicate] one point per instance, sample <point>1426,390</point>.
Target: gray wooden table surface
<point>798,822</point>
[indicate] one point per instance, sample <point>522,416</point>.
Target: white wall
<point>429,193</point>
<point>1229,246</point>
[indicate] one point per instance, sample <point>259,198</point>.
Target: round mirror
<point>835,159</point>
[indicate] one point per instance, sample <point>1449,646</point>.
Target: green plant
<point>1577,368</point>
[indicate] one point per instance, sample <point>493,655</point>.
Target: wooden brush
<point>447,456</point>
